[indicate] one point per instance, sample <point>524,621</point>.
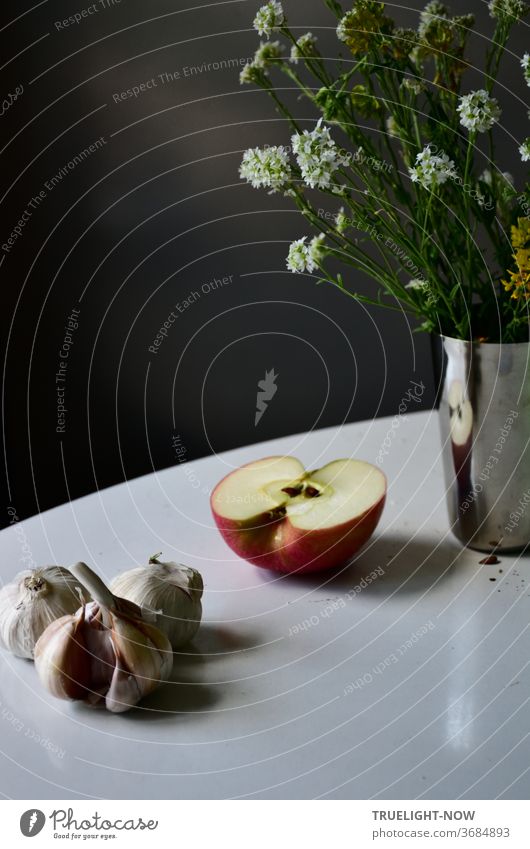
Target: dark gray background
<point>150,217</point>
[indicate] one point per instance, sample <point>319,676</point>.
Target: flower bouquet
<point>406,153</point>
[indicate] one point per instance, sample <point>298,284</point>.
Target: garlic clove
<point>105,653</point>
<point>31,602</point>
<point>124,692</point>
<point>189,580</point>
<point>142,646</point>
<point>60,658</point>
<point>171,592</point>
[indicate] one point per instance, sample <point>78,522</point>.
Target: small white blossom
<point>267,52</point>
<point>302,257</point>
<point>344,26</point>
<point>423,288</point>
<point>524,150</point>
<point>269,17</point>
<point>478,111</point>
<point>342,222</point>
<point>268,167</point>
<point>305,46</point>
<point>487,177</point>
<point>248,74</point>
<point>317,155</point>
<point>525,63</point>
<point>507,9</point>
<point>432,170</point>
<point>417,283</point>
<point>433,11</point>
<point>413,85</point>
<point>265,55</point>
<point>392,127</point>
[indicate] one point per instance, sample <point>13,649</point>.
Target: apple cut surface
<point>275,514</point>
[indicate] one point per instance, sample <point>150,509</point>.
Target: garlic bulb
<point>34,600</point>
<point>170,590</point>
<point>106,653</point>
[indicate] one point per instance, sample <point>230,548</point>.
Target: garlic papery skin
<point>105,653</point>
<point>33,601</point>
<point>171,591</point>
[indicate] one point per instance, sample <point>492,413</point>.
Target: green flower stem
<point>363,299</point>
<point>284,111</point>
<point>426,221</point>
<point>362,259</point>
<point>469,238</point>
<point>384,280</point>
<point>291,73</point>
<point>315,65</point>
<point>494,56</point>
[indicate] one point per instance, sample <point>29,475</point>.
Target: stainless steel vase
<point>484,412</point>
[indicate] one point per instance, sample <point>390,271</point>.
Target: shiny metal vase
<point>484,411</point>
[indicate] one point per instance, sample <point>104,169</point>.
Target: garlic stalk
<point>33,601</point>
<point>106,653</point>
<point>169,590</point>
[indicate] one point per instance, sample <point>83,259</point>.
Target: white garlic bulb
<point>171,591</point>
<point>105,654</point>
<point>31,602</point>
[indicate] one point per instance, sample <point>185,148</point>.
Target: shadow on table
<point>409,565</point>
<point>185,695</point>
<point>216,641</point>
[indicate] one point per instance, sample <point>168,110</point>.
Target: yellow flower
<point>364,27</point>
<point>521,233</point>
<point>519,282</point>
<point>522,258</point>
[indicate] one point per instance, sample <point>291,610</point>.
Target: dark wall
<point>153,220</point>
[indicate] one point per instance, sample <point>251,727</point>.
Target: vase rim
<point>483,344</point>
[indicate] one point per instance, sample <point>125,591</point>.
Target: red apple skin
<point>276,544</point>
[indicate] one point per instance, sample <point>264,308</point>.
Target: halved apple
<point>275,514</point>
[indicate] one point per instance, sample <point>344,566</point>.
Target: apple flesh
<point>275,514</point>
